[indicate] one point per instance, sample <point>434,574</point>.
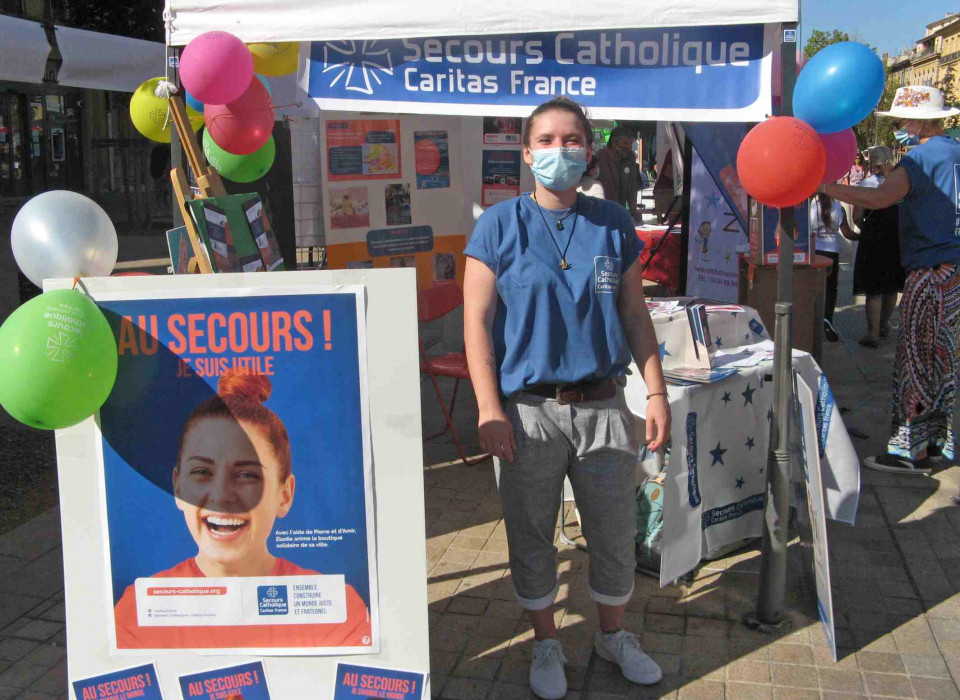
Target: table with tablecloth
<point>720,440</point>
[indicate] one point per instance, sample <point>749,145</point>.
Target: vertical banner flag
<point>722,73</point>
<point>236,473</point>
<point>716,239</point>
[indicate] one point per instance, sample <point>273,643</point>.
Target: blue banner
<point>693,484</point>
<point>715,71</point>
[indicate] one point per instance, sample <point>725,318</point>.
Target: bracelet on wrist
<point>656,393</point>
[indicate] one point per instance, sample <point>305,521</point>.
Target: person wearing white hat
<point>925,369</point>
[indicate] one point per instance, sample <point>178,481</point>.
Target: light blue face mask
<point>559,168</point>
<point>905,138</point>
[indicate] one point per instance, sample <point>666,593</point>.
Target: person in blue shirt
<point>925,368</point>
<point>553,314</point>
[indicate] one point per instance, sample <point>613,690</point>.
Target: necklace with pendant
<point>564,265</point>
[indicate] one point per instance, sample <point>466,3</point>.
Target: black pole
<point>685,210</point>
<point>176,150</point>
<point>771,595</point>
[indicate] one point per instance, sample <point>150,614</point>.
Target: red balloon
<point>244,125</point>
<point>781,162</point>
<point>841,148</point>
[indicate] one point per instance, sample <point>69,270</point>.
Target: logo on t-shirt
<point>272,600</point>
<point>608,274</point>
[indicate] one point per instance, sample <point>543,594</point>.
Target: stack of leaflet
<point>685,321</point>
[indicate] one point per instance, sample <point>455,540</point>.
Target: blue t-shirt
<point>556,326</point>
<point>930,214</point>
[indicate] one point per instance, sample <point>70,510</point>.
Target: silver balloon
<point>63,234</point>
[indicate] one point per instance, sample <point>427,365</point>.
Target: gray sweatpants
<point>596,445</point>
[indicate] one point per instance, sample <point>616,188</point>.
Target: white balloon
<point>63,234</point>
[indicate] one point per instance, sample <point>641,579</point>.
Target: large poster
<point>363,149</point>
<point>716,239</point>
<point>236,474</point>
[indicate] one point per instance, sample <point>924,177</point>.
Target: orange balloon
<point>781,162</point>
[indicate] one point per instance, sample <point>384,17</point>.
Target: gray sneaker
<point>623,649</point>
<point>547,679</point>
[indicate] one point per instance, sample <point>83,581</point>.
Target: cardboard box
<point>764,225</point>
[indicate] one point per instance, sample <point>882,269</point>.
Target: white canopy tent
<point>23,50</point>
<point>331,20</point>
<point>106,61</point>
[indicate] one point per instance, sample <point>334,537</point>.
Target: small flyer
<point>432,153</point>
<point>178,243</point>
<point>397,200</point>
<point>444,267</point>
<point>244,682</point>
<point>501,131</point>
<point>221,239</point>
<point>371,682</point>
<point>501,176</point>
<point>267,244</point>
<point>349,207</point>
<point>363,149</point>
<point>139,682</point>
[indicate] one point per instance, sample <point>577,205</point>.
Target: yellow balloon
<point>275,59</point>
<point>149,113</point>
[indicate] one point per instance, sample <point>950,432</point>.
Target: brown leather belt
<point>601,390</point>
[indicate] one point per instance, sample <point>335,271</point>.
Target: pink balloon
<point>244,125</point>
<point>216,68</point>
<point>841,149</point>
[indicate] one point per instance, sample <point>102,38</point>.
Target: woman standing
<point>877,271</point>
<point>925,369</point>
<point>828,221</point>
<point>553,311</point>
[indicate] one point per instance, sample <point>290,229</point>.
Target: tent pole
<point>685,210</point>
<point>176,152</point>
<point>771,594</point>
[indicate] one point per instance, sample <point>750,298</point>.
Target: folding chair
<point>432,304</point>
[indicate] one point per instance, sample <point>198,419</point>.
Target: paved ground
<point>896,577</point>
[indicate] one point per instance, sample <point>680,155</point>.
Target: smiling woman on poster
<point>232,480</point>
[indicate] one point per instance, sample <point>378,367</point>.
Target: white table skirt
<point>716,476</point>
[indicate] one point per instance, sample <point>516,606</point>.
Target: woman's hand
<point>658,422</point>
<point>496,435</point>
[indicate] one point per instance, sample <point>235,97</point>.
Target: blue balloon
<point>839,87</point>
<point>266,83</point>
<point>193,102</point>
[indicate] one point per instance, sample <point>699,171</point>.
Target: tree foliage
<point>820,39</point>
<point>874,130</point>
<point>140,19</point>
<point>948,85</point>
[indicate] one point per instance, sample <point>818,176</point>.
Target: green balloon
<point>58,360</point>
<point>239,168</point>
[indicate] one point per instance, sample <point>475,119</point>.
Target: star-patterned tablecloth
<point>720,439</point>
